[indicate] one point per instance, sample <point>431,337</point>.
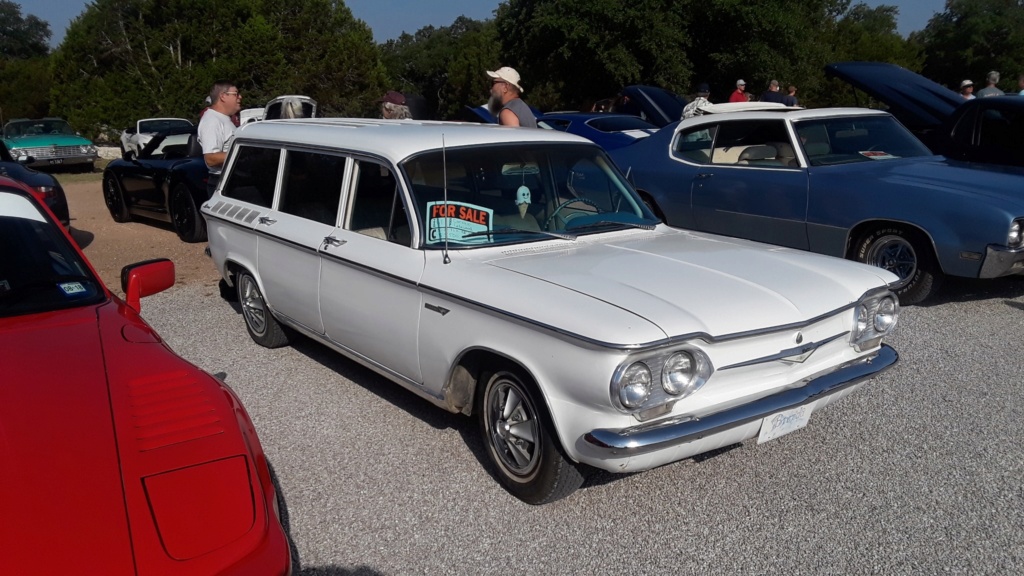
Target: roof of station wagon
<point>395,140</point>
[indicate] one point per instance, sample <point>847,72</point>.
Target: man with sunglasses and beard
<point>505,102</point>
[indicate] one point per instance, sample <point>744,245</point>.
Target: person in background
<point>394,107</point>
<point>1020,84</point>
<point>694,108</point>
<point>772,94</point>
<point>739,95</point>
<point>506,101</point>
<point>991,89</point>
<point>967,90</point>
<point>292,108</point>
<point>790,98</point>
<point>216,129</point>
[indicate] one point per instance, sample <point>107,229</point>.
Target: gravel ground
<point>920,472</point>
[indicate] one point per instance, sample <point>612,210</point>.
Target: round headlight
<point>885,315</point>
<point>679,373</point>
<point>635,386</point>
<point>1014,237</point>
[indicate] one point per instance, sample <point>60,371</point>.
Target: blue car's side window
<point>695,145</point>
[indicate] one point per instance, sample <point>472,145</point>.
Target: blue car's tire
<point>904,253</point>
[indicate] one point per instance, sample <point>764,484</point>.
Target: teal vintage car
<point>48,142</point>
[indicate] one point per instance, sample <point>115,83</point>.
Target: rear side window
<point>377,208</point>
<point>312,186</point>
<point>253,176</point>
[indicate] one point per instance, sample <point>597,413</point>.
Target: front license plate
<point>56,161</point>
<point>782,423</point>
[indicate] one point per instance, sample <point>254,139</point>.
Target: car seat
<point>757,154</point>
<point>194,148</point>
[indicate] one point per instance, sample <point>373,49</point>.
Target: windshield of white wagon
<point>851,139</point>
<point>509,194</point>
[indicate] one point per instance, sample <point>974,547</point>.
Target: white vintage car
<point>134,139</point>
<point>515,276</point>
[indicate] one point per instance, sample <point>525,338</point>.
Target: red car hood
<point>61,472</point>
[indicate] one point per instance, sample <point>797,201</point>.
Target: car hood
<point>44,140</point>
<point>916,101</point>
<point>1001,184</point>
<point>61,466</point>
<point>687,282</point>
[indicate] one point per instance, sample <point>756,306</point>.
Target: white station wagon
<point>514,275</point>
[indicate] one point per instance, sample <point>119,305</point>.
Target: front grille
<point>53,152</point>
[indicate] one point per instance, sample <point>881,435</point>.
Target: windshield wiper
<point>520,231</point>
<point>603,223</point>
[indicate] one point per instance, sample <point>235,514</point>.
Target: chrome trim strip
<point>654,344</point>
<point>683,429</point>
<point>782,355</point>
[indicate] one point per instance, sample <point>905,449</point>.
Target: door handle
<point>704,175</point>
<point>266,220</point>
<point>332,241</point>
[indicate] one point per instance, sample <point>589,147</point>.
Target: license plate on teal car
<point>782,423</point>
<point>56,161</point>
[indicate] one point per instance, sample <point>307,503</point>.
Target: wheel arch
<point>464,378</point>
<point>865,227</point>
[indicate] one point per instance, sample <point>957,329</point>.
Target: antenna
<point>444,176</point>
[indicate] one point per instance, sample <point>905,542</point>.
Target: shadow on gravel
<point>82,237</point>
<point>971,289</point>
<point>371,381</point>
<point>297,568</point>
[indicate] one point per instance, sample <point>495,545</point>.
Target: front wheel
<point>259,320</point>
<point>520,441</point>
<point>905,255</point>
<point>188,222</point>
<point>113,196</point>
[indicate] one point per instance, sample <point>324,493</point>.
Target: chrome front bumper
<point>663,434</point>
<point>1002,261</point>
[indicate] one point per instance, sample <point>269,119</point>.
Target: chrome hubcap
<point>252,306</point>
<point>514,432</point>
<point>897,256</point>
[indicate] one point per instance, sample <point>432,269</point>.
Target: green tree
<point>126,59</point>
<point>22,36</point>
<point>970,38</point>
<point>24,66</point>
<point>446,65</point>
<point>572,52</point>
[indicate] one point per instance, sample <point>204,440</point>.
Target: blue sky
<point>389,18</point>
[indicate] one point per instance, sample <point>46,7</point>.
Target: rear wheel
<point>188,222</point>
<point>259,321</point>
<point>113,195</point>
<point>520,440</point>
<point>905,254</point>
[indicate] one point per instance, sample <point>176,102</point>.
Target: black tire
<point>520,440</point>
<point>113,195</point>
<point>188,222</point>
<point>905,254</point>
<point>259,320</point>
<point>653,206</point>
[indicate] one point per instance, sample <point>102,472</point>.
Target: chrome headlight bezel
<point>1015,236</point>
<point>662,389</point>
<point>874,317</point>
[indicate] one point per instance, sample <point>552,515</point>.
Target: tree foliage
<point>970,38</point>
<point>572,52</point>
<point>126,59</point>
<point>21,36</point>
<point>446,65</point>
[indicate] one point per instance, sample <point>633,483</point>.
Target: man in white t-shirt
<point>216,129</point>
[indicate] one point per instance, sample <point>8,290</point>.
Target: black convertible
<point>166,181</point>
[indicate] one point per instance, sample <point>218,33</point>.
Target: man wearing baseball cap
<point>505,102</point>
<point>740,95</point>
<point>967,90</point>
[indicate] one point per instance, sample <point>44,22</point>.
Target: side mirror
<point>145,279</point>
